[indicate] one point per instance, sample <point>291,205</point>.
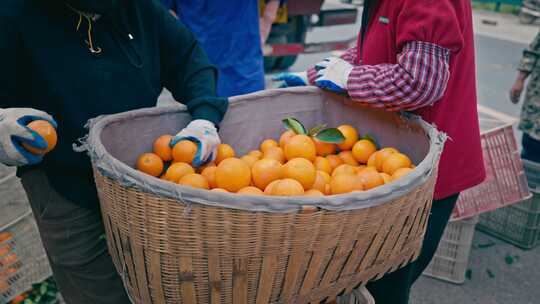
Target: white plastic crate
<point>23,261</point>
<point>13,202</point>
<point>452,257</point>
<point>506,183</point>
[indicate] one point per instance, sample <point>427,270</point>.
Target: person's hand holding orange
<point>18,142</point>
<point>204,134</point>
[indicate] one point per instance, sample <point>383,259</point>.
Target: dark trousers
<point>72,237</point>
<point>394,288</point>
<point>531,148</point>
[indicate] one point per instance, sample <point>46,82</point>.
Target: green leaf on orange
<point>294,125</point>
<point>317,129</point>
<point>332,135</point>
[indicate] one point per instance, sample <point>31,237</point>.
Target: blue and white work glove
<point>291,79</point>
<point>14,132</point>
<point>333,74</point>
<point>204,134</point>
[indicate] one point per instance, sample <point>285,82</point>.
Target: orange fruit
<point>18,299</point>
<point>363,149</point>
<point>335,161</point>
<point>313,193</point>
<point>395,161</point>
<point>387,178</point>
<point>360,168</point>
<point>201,168</point>
<point>150,163</point>
<point>194,180</point>
<point>322,164</point>
<point>321,180</point>
<point>249,159</point>
<point>380,156</point>
<point>345,183</point>
<point>344,169</point>
<point>4,250</point>
<point>285,137</point>
<point>348,158</point>
<point>326,176</point>
<point>370,179</point>
<point>270,188</point>
<point>209,174</point>
<point>162,147</point>
<point>178,170</point>
<point>401,172</point>
<point>268,143</point>
<point>9,259</point>
<point>224,151</point>
<point>256,153</point>
<point>324,148</point>
<point>372,169</point>
<point>372,160</point>
<point>47,132</point>
<point>265,171</point>
<point>233,174</point>
<point>250,191</point>
<point>302,170</point>
<point>4,236</point>
<point>351,137</point>
<point>220,190</point>
<point>184,151</point>
<point>275,153</point>
<point>300,146</point>
<point>287,187</point>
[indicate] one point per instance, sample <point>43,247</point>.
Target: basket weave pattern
<point>170,252</point>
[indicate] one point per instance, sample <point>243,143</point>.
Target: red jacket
<point>447,23</point>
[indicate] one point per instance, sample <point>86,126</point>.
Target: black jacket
<point>137,49</point>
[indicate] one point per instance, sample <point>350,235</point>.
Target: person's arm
<point>267,19</point>
<point>187,72</point>
<point>530,58</point>
<point>14,116</point>
<point>418,79</point>
<point>428,35</point>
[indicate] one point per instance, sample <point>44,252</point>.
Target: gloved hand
<point>14,132</point>
<point>333,74</point>
<point>204,134</point>
<point>291,79</point>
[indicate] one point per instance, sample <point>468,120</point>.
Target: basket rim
<point>109,166</point>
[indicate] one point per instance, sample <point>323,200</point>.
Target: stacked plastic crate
<point>518,224</point>
<point>22,258</point>
<point>505,185</point>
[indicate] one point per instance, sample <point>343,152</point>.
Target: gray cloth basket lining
<point>115,141</point>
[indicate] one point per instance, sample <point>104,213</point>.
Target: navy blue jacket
<point>138,48</point>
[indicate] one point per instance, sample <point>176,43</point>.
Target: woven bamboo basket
<point>179,245</point>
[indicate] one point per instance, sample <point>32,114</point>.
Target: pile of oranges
<point>331,162</point>
<point>8,261</point>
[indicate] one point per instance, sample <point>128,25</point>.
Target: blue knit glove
<point>14,132</point>
<point>291,79</point>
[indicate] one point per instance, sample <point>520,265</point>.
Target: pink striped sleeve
<point>311,75</point>
<point>350,55</point>
<point>418,79</point>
